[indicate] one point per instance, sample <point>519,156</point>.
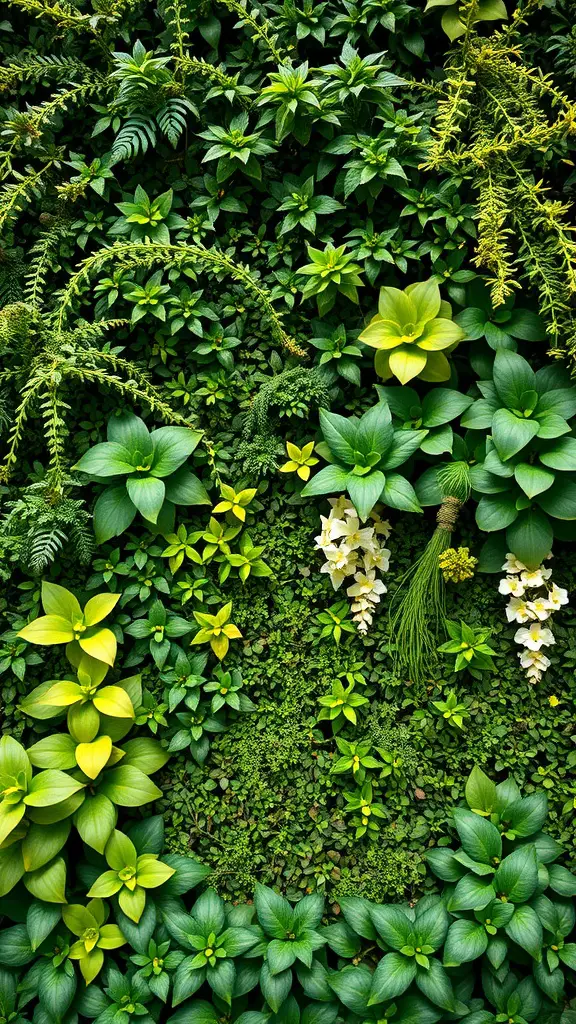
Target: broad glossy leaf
<point>113,513</point>
<point>129,787</point>
<point>147,494</point>
<point>48,630</point>
<point>49,882</point>
<point>95,820</point>
<point>105,460</point>
<point>172,446</point>
<point>51,787</point>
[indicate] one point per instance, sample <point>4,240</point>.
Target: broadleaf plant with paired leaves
<point>364,455</point>
<point>147,474</point>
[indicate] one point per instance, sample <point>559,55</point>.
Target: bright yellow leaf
<point>91,757</point>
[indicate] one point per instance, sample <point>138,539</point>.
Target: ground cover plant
<point>287,506</point>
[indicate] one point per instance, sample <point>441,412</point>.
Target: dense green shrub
<point>236,739</point>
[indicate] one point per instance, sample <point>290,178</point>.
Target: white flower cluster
<point>533,598</point>
<point>353,550</point>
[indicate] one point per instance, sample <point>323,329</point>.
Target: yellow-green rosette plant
<point>84,699</point>
<point>20,789</point>
<point>33,825</point>
<point>94,936</point>
<point>65,622</point>
<point>216,630</point>
<point>412,332</point>
<point>129,875</point>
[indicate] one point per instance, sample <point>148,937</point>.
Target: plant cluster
<point>226,794</point>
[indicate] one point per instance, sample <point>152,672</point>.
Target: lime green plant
<point>364,810</point>
<point>216,630</point>
<point>65,622</point>
<point>340,705</point>
<point>94,936</point>
<point>247,560</point>
<point>300,460</point>
<point>235,502</point>
<point>331,271</point>
<point>336,620</point>
<point>469,645</point>
<point>355,758</point>
<point>452,711</point>
<point>181,546</point>
<point>48,700</point>
<point>412,331</point>
<point>129,875</point>
<point>21,790</point>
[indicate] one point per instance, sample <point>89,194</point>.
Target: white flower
<point>511,585</point>
<point>534,637</point>
<point>381,526</point>
<point>539,609</point>
<point>557,596</point>
<point>534,658</point>
<point>342,506</point>
<point>513,564</point>
<point>517,610</point>
<point>327,534</point>
<point>535,664</point>
<point>366,584</point>
<point>536,577</point>
<point>339,564</point>
<point>352,534</point>
<point>377,558</point>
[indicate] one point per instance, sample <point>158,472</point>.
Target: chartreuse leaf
<point>51,787</point>
<point>92,757</point>
<point>480,792</point>
<point>49,882</point>
<point>95,820</point>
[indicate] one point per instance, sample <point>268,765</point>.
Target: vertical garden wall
<point>287,512</point>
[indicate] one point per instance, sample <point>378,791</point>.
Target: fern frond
<point>171,118</point>
<point>16,195</point>
<point>34,68</point>
<point>62,14</point>
<point>136,135</point>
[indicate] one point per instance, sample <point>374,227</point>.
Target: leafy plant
<point>525,475</point>
<point>470,647</point>
<point>94,936</point>
<point>364,454</point>
<point>155,477</point>
<point>331,271</point>
<point>65,622</point>
<point>433,412</point>
<point>216,630</point>
<point>412,331</point>
<point>340,706</point>
<point>129,875</point>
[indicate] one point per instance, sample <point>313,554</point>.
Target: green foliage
<point>411,331</point>
<point>363,454</point>
<point>525,475</point>
<point>470,647</point>
<point>168,174</point>
<point>153,465</point>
